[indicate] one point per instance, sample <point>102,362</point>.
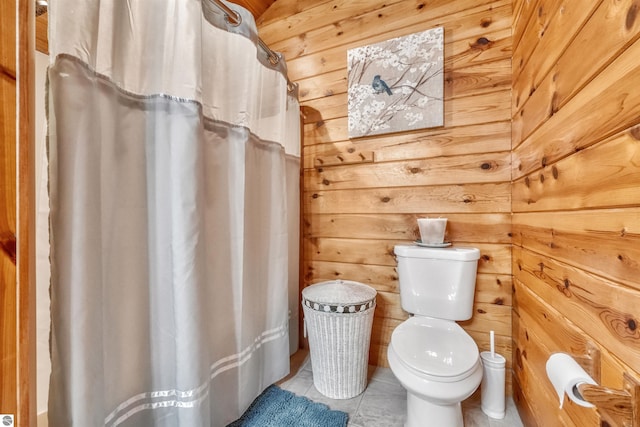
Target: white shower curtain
<point>171,138</point>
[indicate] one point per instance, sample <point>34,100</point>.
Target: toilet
<point>434,359</point>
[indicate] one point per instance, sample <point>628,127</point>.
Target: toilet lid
<point>435,347</point>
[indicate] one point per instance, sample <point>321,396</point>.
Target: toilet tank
<point>437,282</point>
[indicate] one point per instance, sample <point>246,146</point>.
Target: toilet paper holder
<point>617,408</point>
<point>620,408</point>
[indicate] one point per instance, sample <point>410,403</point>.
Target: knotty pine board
<point>383,278</point>
<point>611,98</point>
<point>465,111</point>
<point>477,138</point>
<point>530,356</point>
<point>612,256</point>
<point>479,198</point>
<point>399,14</point>
<point>539,330</point>
<point>612,180</point>
<point>475,168</point>
<point>486,46</point>
<point>489,317</point>
<point>461,227</point>
<point>522,10</point>
<point>545,43</point>
<point>524,409</point>
<point>461,111</point>
<point>606,223</point>
<point>540,95</point>
<point>315,16</point>
<point>462,140</point>
<point>603,310</point>
<point>281,9</point>
<point>397,20</point>
<point>563,76</point>
<point>474,80</point>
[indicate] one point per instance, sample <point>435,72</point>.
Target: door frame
<point>17,212</point>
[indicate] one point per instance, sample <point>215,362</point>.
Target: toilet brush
<point>492,388</point>
<point>492,337</point>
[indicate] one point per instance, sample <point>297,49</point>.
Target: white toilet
<point>430,354</point>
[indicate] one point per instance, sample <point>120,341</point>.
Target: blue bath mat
<point>280,408</point>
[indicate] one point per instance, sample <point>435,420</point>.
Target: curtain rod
<point>235,18</point>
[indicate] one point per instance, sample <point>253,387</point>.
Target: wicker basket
<point>338,316</point>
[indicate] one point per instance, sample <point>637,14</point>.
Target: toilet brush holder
<point>492,388</point>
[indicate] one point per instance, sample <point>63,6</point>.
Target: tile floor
<point>383,403</point>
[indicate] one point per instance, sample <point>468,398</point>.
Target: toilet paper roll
<point>565,374</point>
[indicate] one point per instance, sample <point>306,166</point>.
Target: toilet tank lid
<point>450,253</point>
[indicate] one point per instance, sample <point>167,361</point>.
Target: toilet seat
<point>435,349</point>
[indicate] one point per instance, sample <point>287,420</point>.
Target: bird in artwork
<point>380,85</point>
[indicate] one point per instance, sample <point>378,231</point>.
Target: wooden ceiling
<point>256,7</point>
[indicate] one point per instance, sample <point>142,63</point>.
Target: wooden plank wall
<point>576,196</point>
<point>354,214</point>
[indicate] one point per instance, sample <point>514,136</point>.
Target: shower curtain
<point>174,166</point>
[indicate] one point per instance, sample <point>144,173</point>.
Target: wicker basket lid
<point>339,296</point>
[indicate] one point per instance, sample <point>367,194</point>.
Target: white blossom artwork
<point>396,85</point>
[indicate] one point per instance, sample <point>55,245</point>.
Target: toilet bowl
<point>434,359</point>
<point>438,364</point>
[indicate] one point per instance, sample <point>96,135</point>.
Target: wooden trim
<point>302,343</point>
<point>26,208</point>
<point>17,219</point>
<point>8,363</point>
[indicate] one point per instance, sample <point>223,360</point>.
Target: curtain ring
<point>233,20</point>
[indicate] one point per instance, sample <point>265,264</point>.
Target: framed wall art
<point>396,85</point>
